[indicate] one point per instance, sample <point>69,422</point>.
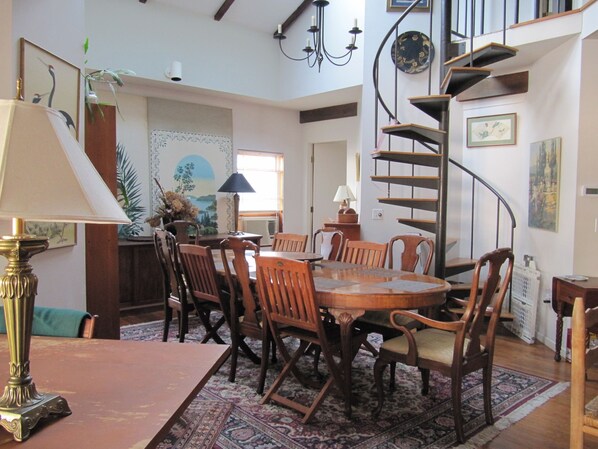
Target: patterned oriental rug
<point>408,420</point>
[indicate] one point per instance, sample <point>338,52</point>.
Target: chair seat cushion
<point>432,344</point>
<point>53,322</point>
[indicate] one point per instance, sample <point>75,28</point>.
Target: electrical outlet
<point>377,214</point>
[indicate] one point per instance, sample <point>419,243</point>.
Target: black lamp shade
<point>236,183</point>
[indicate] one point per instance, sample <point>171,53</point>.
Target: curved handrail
<point>379,52</point>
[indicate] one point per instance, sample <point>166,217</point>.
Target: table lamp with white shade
<point>44,176</point>
<point>344,195</point>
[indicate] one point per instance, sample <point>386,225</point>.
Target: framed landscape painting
<point>544,181</point>
<point>53,82</point>
<point>402,5</point>
<point>492,130</point>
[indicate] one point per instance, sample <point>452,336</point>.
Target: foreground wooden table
<point>123,394</point>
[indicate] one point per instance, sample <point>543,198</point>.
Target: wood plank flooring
<point>547,427</point>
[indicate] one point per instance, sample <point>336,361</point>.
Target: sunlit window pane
<point>264,171</point>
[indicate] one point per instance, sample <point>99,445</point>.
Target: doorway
<point>329,170</point>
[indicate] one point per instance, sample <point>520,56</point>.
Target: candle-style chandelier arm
<point>319,50</point>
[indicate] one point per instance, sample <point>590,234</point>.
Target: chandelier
<point>315,55</point>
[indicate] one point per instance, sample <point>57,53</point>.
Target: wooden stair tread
<point>459,79</point>
<point>458,265</point>
<point>430,204</point>
<point>433,105</point>
<point>408,157</point>
<point>424,225</point>
<point>417,132</point>
<point>483,56</point>
<point>427,182</point>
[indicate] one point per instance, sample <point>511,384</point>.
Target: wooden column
<point>101,241</point>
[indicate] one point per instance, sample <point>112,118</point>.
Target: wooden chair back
<point>415,247</point>
<point>584,417</point>
<point>287,293</point>
<point>289,242</point>
<point>200,273</point>
<point>360,252</point>
<point>184,231</point>
<point>240,284</point>
<point>166,251</point>
<point>494,288</point>
<point>328,242</point>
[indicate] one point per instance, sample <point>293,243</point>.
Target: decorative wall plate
<point>412,52</point>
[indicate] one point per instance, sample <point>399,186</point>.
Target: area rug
<point>408,420</point>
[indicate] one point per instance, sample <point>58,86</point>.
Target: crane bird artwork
<point>38,97</point>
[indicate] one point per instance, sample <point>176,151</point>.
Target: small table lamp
<point>344,195</point>
<point>44,176</point>
<point>234,184</point>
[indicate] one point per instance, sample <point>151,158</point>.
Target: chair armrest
<point>451,326</point>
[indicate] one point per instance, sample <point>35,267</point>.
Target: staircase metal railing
<point>383,106</point>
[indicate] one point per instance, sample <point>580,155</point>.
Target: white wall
<point>255,127</point>
<point>57,26</point>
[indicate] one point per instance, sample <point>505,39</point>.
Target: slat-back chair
<point>454,348</point>
<point>584,416</point>
<point>287,295</point>
<point>360,252</point>
<point>184,231</point>
<point>246,316</point>
<point>204,290</point>
<point>289,242</point>
<point>173,287</point>
<point>328,242</point>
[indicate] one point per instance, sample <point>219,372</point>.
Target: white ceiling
<point>261,15</point>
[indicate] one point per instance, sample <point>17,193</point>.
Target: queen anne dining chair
<point>287,294</point>
<point>454,348</point>
<point>289,242</point>
<point>361,252</point>
<point>584,416</point>
<point>328,242</point>
<point>246,316</point>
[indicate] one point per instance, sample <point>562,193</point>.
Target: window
<point>264,171</point>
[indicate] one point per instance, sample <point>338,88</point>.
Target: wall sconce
<point>175,71</point>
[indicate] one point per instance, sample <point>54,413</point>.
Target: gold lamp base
<point>19,421</point>
<point>21,406</point>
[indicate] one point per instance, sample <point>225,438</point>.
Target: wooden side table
<point>564,292</point>
<point>351,231</point>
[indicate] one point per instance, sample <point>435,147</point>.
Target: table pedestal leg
<point>345,320</point>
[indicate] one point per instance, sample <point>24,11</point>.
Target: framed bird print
<point>53,82</point>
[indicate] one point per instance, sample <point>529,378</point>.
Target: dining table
<point>348,290</point>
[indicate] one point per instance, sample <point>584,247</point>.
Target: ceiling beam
<point>294,16</point>
<point>328,113</point>
<point>222,11</point>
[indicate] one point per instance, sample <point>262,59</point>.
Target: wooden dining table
<point>347,291</point>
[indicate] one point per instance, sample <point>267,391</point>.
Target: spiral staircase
<point>424,154</point>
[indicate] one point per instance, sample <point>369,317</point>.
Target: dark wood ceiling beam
<point>328,113</point>
<point>222,11</point>
<point>295,15</point>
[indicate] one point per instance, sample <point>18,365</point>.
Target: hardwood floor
<point>547,427</point>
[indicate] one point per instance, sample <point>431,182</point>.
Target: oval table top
<point>295,255</point>
<point>348,286</point>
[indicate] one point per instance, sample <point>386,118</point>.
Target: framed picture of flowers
<point>492,130</point>
<point>186,170</point>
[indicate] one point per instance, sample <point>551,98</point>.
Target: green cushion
<point>53,322</point>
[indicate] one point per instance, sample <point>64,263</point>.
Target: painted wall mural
<point>195,165</point>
